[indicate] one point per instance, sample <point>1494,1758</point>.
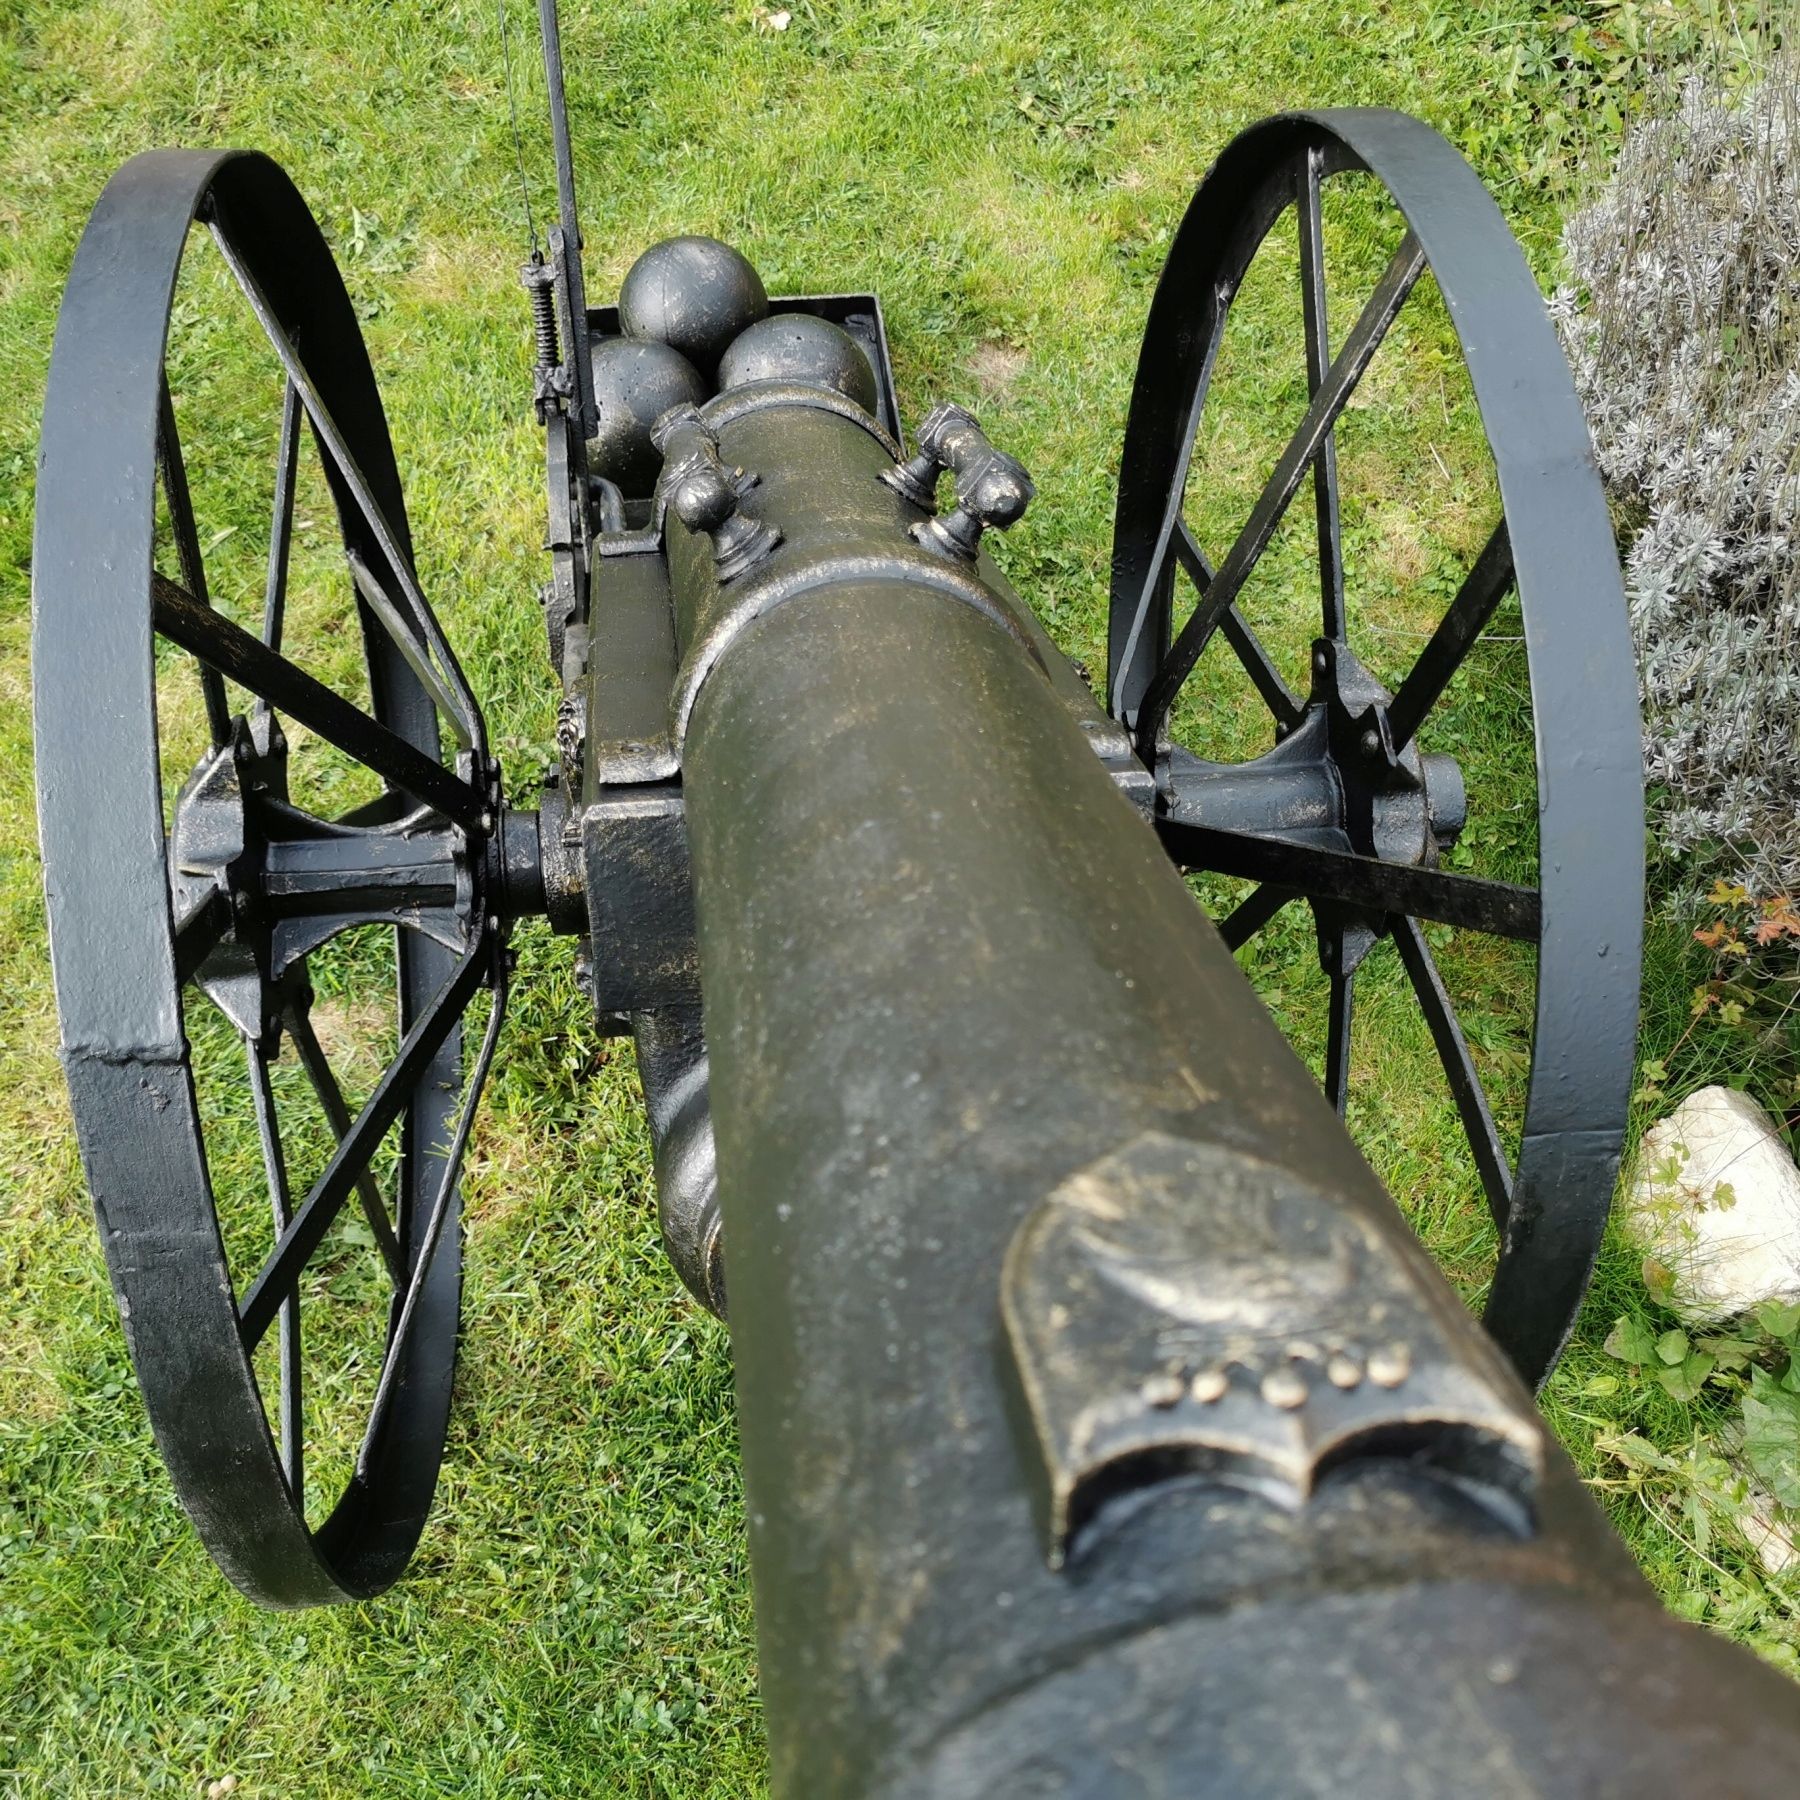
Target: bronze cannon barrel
<point>1105,1429</point>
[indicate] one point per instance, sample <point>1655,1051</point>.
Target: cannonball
<point>694,294</point>
<point>635,383</point>
<point>799,347</point>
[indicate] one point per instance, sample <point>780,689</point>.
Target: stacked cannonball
<point>696,322</point>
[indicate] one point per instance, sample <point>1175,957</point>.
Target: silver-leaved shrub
<point>1681,317</point>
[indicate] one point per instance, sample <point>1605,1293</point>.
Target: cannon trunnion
<point>1107,1431</point>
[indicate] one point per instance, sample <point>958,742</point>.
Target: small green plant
<point>1741,976</point>
<point>1735,1481</point>
<point>1574,74</point>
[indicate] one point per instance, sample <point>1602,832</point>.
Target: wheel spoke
<point>1334,392</point>
<point>1318,357</point>
<point>1337,1033</point>
<point>198,930</point>
<point>434,1229</point>
<point>306,1231</point>
<point>1153,598</point>
<point>337,1114</point>
<point>1482,590</point>
<point>398,557</point>
<point>268,674</point>
<point>281,523</point>
<point>187,548</point>
<point>268,1129</point>
<point>1364,882</point>
<point>410,648</point>
<point>1252,913</point>
<point>1258,664</point>
<point>1453,1052</point>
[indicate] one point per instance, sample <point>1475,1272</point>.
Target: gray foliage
<point>1682,322</point>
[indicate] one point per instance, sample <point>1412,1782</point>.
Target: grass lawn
<point>1005,174</point>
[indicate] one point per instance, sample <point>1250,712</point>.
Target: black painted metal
<point>671,1060</point>
<point>639,918</point>
<point>225,648</point>
<point>1363,882</point>
<point>256,882</point>
<point>857,314</point>
<point>173,470</point>
<point>1303,449</point>
<point>1555,538</point>
<point>635,383</point>
<point>566,244</point>
<point>628,674</point>
<point>693,293</point>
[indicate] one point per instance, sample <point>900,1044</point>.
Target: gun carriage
<point>1106,1430</point>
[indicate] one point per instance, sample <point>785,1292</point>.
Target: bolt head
<point>1371,742</point>
<point>1284,1387</point>
<point>1163,1390</point>
<point>1209,1385</point>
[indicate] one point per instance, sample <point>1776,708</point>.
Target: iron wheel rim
<point>1578,647</point>
<point>98,610</point>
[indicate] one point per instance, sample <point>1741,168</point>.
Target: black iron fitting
<point>816,518</point>
<point>705,495</point>
<point>992,488</point>
<point>516,865</point>
<point>258,882</point>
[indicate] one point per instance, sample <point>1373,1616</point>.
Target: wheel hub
<point>1334,781</point>
<point>257,882</point>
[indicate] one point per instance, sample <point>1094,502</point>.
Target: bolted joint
<point>551,390</point>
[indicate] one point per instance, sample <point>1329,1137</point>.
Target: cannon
<point>1106,1430</point>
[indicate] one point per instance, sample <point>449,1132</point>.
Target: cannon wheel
<point>1554,541</point>
<point>143,920</point>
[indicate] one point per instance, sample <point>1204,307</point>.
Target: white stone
<point>1715,1198</point>
<point>1771,1531</point>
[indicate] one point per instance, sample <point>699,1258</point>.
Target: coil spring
<point>543,312</point>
